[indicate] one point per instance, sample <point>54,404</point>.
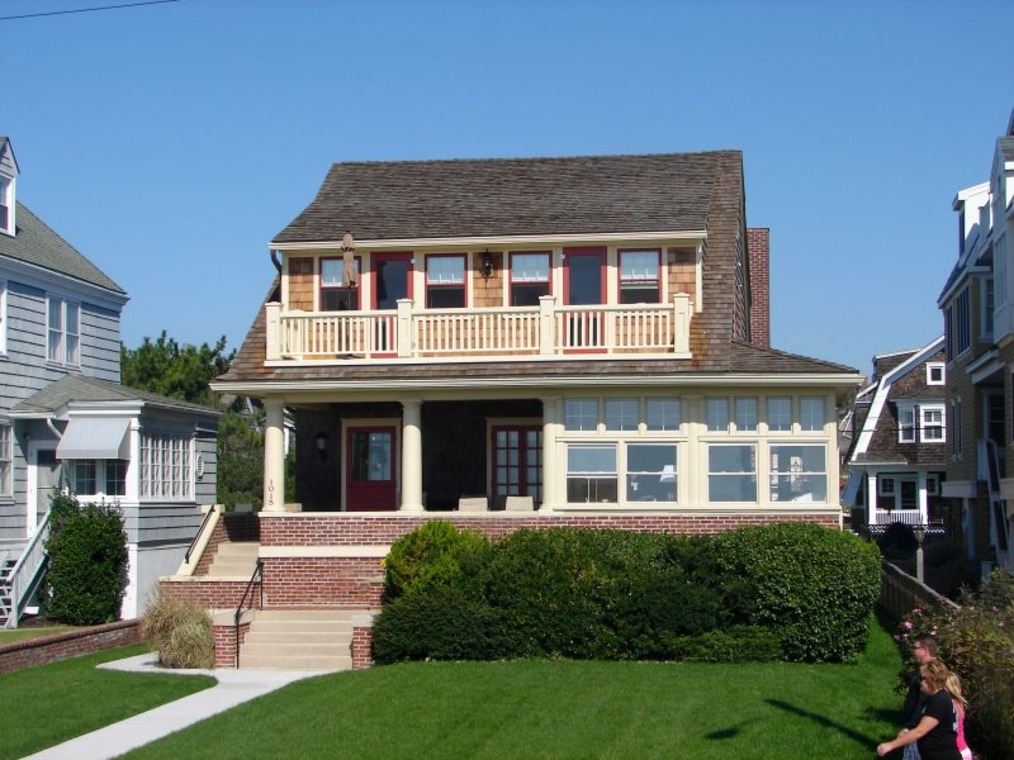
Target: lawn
<point>49,704</point>
<point>561,709</point>
<point>10,635</point>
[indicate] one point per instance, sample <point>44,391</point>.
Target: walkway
<point>234,687</point>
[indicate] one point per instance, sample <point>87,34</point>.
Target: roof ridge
<point>495,159</point>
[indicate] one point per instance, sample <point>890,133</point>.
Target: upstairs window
<point>6,205</point>
<point>639,277</point>
<point>932,423</point>
<point>935,374</point>
<point>64,322</point>
<point>529,278</point>
<point>6,458</point>
<point>924,422</point>
<point>339,290</point>
<point>445,281</point>
<point>3,317</point>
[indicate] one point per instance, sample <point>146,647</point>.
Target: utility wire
<point>87,10</point>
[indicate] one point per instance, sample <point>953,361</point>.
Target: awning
<point>95,438</point>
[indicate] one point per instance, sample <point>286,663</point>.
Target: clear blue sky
<point>170,143</point>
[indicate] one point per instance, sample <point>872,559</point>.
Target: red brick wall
<point>231,527</point>
<point>63,646</point>
<point>362,647</point>
<point>225,644</point>
<point>758,242</point>
<point>350,582</point>
<point>210,592</point>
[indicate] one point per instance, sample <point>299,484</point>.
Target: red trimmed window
<point>445,281</point>
<point>640,276</point>
<point>529,277</point>
<point>336,292</point>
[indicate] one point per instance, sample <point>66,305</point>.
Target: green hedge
<point>798,591</point>
<point>814,587</point>
<point>87,554</point>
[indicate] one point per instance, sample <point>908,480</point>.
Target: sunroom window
<point>581,413</point>
<point>663,414</point>
<point>622,414</point>
<point>798,473</point>
<point>651,472</point>
<point>732,473</point>
<point>99,477</point>
<point>529,278</point>
<point>779,414</point>
<point>445,281</point>
<point>639,277</point>
<point>591,474</point>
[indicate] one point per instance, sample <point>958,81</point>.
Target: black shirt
<point>942,742</point>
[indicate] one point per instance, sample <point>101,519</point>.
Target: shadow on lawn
<point>857,737</point>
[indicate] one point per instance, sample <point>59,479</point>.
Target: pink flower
<point>908,625</point>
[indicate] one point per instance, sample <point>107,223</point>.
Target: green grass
<point>547,709</point>
<point>49,704</point>
<point>10,635</point>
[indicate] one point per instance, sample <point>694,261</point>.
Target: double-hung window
<point>529,278</point>
<point>798,473</point>
<point>932,423</point>
<point>591,473</point>
<point>3,317</point>
<point>99,477</point>
<point>640,273</point>
<point>64,322</point>
<point>445,281</point>
<point>6,458</point>
<point>732,473</point>
<point>339,289</point>
<point>6,205</point>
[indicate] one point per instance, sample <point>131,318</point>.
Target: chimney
<point>758,245</point>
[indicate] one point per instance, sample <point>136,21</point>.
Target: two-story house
<point>65,422</point>
<point>516,343</point>
<point>978,306</point>
<point>898,445</point>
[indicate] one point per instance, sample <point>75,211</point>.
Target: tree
<point>169,369</point>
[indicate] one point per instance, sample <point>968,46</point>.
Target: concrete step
<point>294,614</point>
<point>261,636</point>
<point>235,559</point>
<point>294,662</point>
<point>238,549</point>
<point>297,650</point>
<point>332,627</point>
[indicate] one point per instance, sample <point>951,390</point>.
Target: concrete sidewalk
<point>234,687</point>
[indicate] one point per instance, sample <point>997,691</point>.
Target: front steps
<point>299,640</point>
<point>235,559</point>
<point>7,560</point>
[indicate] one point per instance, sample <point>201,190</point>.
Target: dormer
<point>969,204</point>
<point>8,179</point>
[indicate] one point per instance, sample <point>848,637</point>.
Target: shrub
<point>737,644</point>
<point>181,631</point>
<point>87,555</point>
<point>434,555</point>
<point>813,587</point>
<point>898,541</point>
<point>442,624</point>
<point>977,642</point>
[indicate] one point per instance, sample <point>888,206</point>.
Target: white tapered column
<point>411,456</point>
<point>274,455</point>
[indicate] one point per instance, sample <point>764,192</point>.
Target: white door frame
<point>32,482</point>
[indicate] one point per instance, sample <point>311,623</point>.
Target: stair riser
<point>295,663</point>
<point>297,650</point>
<point>307,626</point>
<point>260,637</point>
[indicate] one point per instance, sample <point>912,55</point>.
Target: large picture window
<point>445,281</point>
<point>798,473</point>
<point>640,277</point>
<point>732,473</point>
<point>591,474</point>
<point>64,322</point>
<point>529,275</point>
<point>165,467</point>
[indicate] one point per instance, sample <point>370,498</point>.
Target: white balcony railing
<point>546,330</point>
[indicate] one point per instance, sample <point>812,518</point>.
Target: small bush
<point>442,624</point>
<point>181,632</point>
<point>814,587</point>
<point>435,555</point>
<point>87,555</point>
<point>737,644</point>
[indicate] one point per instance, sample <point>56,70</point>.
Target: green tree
<point>241,458</point>
<point>185,372</point>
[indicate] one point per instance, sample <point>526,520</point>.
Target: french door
<point>584,283</point>
<point>517,462</point>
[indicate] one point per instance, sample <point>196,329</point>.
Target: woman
<point>953,686</point>
<point>936,733</point>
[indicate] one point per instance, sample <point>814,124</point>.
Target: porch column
<point>551,487</point>
<point>411,456</point>
<point>920,487</point>
<point>871,499</point>
<point>274,455</point>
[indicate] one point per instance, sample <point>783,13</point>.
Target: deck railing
<point>547,330</point>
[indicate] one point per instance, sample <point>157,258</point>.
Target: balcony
<point>546,331</point>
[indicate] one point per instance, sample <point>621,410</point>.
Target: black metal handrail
<point>258,575</point>
<point>200,532</point>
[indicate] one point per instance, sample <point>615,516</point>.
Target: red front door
<point>371,485</point>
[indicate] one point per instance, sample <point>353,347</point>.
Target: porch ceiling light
<point>487,265</point>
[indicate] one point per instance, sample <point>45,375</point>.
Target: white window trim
<point>10,202</point>
<point>7,459</point>
<point>887,486</point>
<point>920,411</point>
<point>63,303</point>
<point>3,317</point>
<point>930,366</point>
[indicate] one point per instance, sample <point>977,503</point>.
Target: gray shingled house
<point>66,423</point>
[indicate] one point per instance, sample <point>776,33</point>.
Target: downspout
<point>53,429</point>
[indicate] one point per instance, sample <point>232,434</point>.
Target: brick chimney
<point>758,245</point>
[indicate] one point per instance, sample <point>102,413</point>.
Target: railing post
<point>681,323</point>
<point>273,331</point>
<point>405,327</point>
<point>547,325</point>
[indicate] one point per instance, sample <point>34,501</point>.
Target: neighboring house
<point>899,441</point>
<point>978,305</point>
<point>65,422</point>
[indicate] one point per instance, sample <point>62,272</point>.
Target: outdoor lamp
<point>321,441</point>
<point>487,265</point>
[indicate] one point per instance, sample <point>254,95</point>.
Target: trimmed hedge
<point>801,592</point>
<point>87,555</point>
<point>814,587</point>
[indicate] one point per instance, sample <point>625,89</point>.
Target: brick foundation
<point>362,647</point>
<point>63,646</point>
<point>225,643</point>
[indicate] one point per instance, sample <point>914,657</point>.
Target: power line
<point>88,10</point>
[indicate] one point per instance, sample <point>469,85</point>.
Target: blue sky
<point>170,143</point>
